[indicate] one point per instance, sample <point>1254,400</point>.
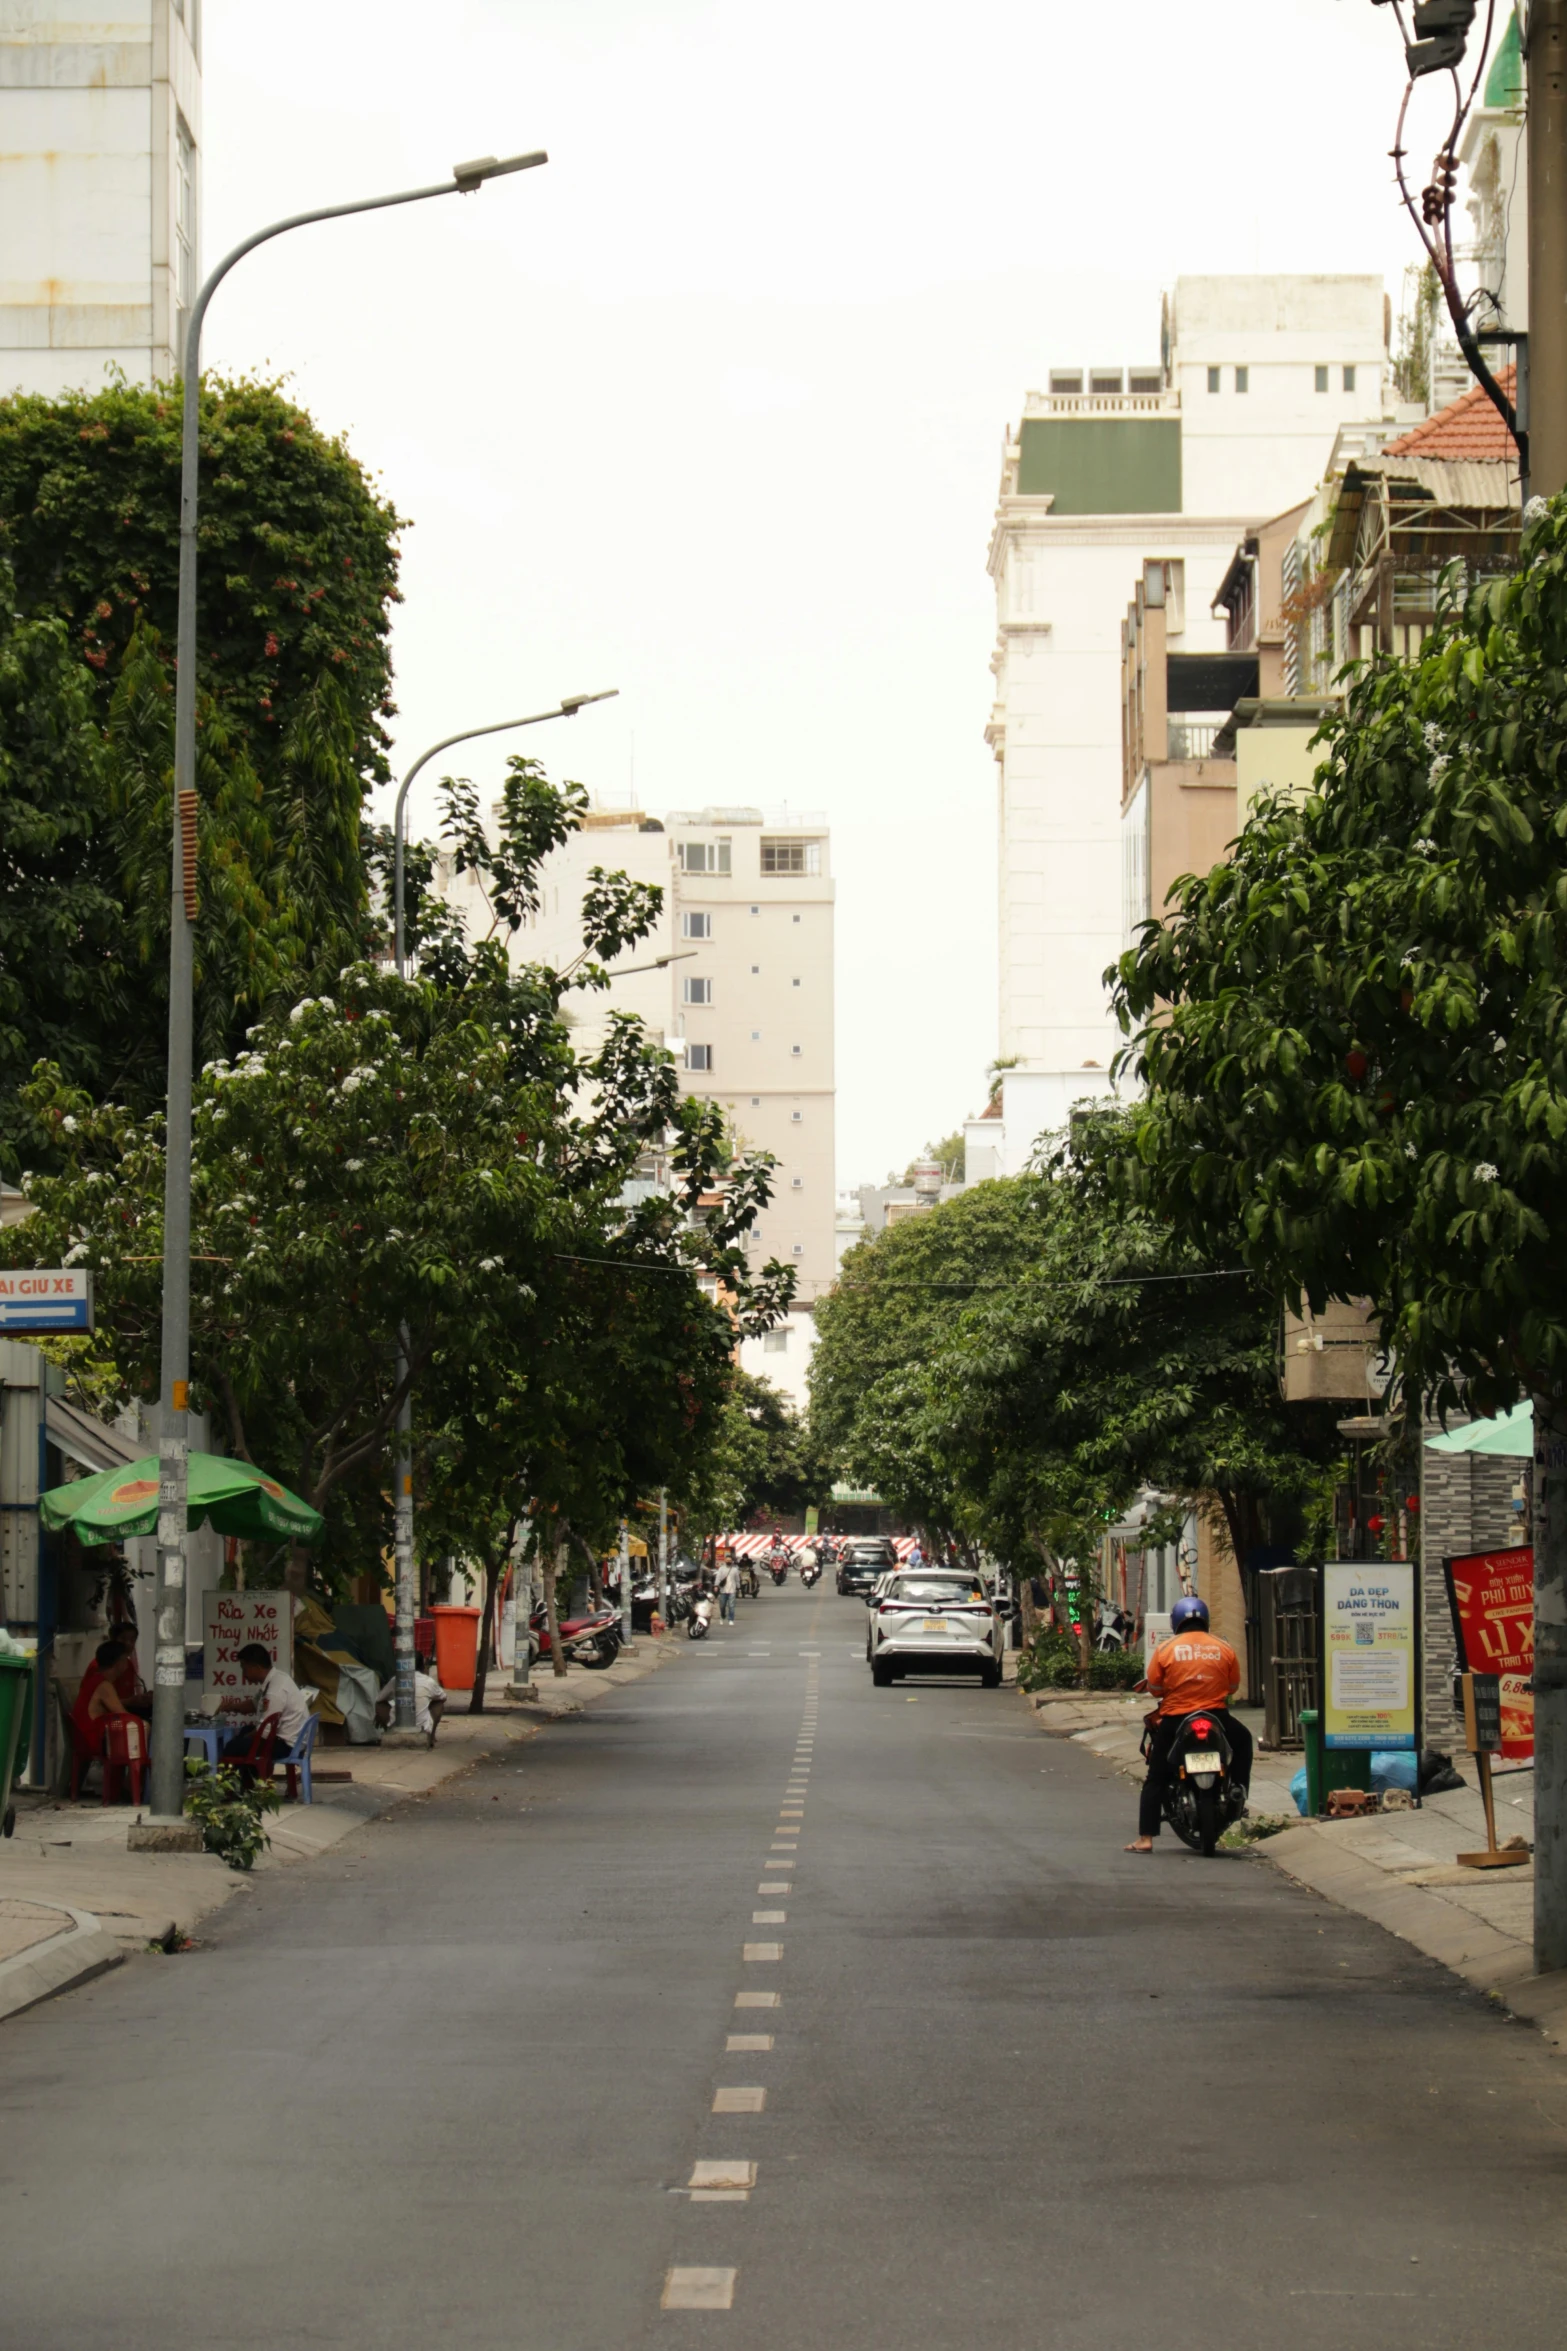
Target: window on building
<point>1243,379</point>
<point>696,991</point>
<point>795,918</point>
<point>696,926</point>
<point>796,1118</point>
<point>184,212</point>
<point>1066,383</point>
<point>775,1342</point>
<point>1213,379</point>
<point>756,910</point>
<point>791,857</point>
<point>794,983</point>
<point>1105,381</point>
<point>756,1036</point>
<point>704,856</point>
<point>699,1057</point>
<point>1144,381</point>
<point>1322,379</point>
<point>755,970</point>
<point>799,1248</point>
<point>1349,379</point>
<point>795,1050</point>
<point>797,1183</point>
<point>756,1101</point>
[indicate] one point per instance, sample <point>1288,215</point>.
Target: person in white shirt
<point>276,1692</point>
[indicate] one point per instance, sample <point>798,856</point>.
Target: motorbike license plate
<point>935,1624</point>
<point>1199,1766</point>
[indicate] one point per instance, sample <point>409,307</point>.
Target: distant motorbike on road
<point>592,1640</point>
<point>750,1581</point>
<point>778,1567</point>
<point>1200,1796</point>
<point>810,1570</point>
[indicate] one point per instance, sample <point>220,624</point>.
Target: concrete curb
<point>81,1950</point>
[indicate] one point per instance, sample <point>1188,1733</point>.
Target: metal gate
<point>1287,1600</point>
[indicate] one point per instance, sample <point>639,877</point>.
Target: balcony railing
<point>1191,740</point>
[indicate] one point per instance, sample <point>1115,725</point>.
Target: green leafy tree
<point>1356,1050</point>
<point>296,580</point>
<point>764,1459</point>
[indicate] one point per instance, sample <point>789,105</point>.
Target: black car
<point>864,1561</point>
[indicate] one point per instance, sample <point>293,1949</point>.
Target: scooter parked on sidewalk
<point>592,1640</point>
<point>1200,1796</point>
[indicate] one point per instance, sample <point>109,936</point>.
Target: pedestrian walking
<point>728,1588</point>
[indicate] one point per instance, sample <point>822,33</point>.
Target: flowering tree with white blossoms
<point>1354,1039</point>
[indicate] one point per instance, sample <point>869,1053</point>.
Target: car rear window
<point>944,1592</point>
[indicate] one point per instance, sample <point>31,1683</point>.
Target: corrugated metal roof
<point>1490,483</point>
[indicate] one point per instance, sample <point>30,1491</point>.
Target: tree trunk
<point>1550,1682</point>
<point>493,1570</point>
<point>552,1568</point>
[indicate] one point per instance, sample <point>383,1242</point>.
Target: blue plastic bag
<point>1395,1767</point>
<point>1298,1791</point>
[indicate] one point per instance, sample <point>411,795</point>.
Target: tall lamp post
<point>403,1492</point>
<point>168,1742</point>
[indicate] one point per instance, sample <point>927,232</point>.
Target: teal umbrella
<point>1511,1433</point>
<point>233,1496</point>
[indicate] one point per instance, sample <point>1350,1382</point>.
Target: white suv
<point>933,1620</point>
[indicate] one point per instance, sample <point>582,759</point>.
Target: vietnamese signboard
<point>1492,1598</point>
<point>50,1298</point>
<point>1370,1653</point>
<point>234,1618</point>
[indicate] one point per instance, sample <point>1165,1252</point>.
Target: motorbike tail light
<point>1202,1728</point>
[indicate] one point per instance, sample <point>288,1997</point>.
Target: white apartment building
<point>100,146</point>
<point>1110,469</point>
<point>737,977</point>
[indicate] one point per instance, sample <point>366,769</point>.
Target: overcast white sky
<point>711,408</point>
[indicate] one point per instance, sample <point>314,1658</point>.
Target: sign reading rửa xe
<point>46,1298</point>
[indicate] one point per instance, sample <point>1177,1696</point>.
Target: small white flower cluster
<point>1533,511</point>
<point>75,1254</point>
<point>1433,735</point>
<point>358,1077</point>
<point>489,1265</point>
<point>310,1004</point>
<point>353,1165</point>
<point>1485,1173</point>
<point>1439,767</point>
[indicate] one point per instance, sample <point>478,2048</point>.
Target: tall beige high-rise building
<point>741,988</point>
<point>100,140</point>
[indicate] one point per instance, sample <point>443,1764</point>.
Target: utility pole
<point>663,1555</point>
<point>625,1586</point>
<point>168,1704</point>
<point>1545,136</point>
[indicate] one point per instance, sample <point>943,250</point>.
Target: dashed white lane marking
<point>727,2171</point>
<point>739,2101</point>
<point>810,1653</point>
<point>719,2195</point>
<point>759,1999</point>
<point>761,1954</point>
<point>769,1918</point>
<point>774,1886</point>
<point>751,2041</point>
<point>699,2289</point>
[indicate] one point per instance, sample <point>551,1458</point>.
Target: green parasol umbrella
<point>1510,1433</point>
<point>233,1496</point>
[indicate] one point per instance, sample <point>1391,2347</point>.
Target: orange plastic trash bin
<point>456,1646</point>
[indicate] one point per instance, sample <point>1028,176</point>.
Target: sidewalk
<point>1397,1868</point>
<point>73,1900</point>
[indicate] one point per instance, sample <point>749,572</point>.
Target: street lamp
<point>403,1490</point>
<point>168,1743</point>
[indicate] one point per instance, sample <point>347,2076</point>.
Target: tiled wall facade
<point>1466,1505</point>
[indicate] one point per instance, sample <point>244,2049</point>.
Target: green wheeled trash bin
<point>16,1720</point>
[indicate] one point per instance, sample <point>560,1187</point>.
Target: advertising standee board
<point>1491,1594</point>
<point>1370,1654</point>
<point>235,1618</point>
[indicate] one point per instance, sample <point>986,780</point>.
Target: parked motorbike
<point>592,1640</point>
<point>1200,1796</point>
<point>700,1617</point>
<point>1112,1631</point>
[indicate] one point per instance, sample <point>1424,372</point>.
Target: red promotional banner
<point>1492,1595</point>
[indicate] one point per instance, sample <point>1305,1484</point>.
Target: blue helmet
<point>1189,1610</point>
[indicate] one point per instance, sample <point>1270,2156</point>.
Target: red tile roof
<point>1468,427</point>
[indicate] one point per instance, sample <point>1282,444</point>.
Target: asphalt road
<point>1010,2087</point>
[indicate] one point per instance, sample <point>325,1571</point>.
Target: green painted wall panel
<point>1103,464</point>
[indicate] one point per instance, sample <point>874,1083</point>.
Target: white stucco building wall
<point>100,183</point>
<point>1108,469</point>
